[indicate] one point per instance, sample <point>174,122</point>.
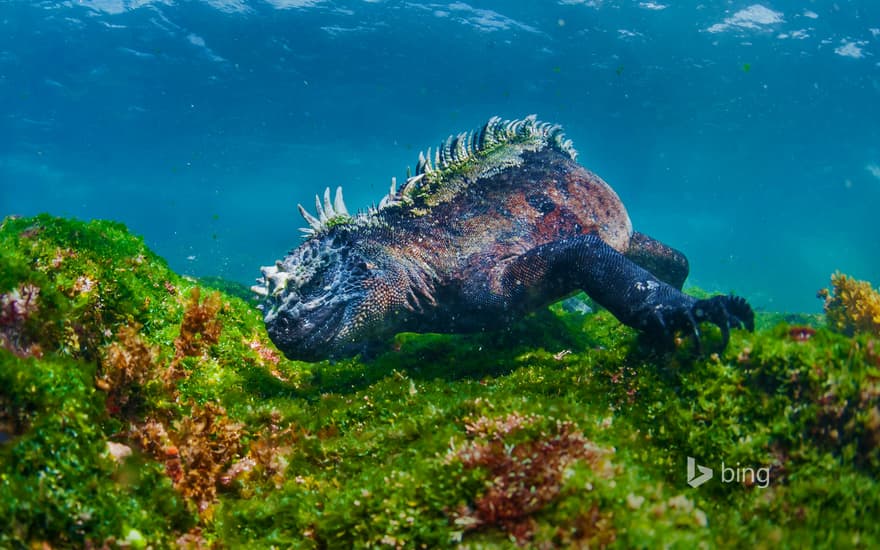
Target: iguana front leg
<point>635,296</point>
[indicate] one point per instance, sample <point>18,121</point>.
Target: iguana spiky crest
<point>329,214</point>
<point>455,163</point>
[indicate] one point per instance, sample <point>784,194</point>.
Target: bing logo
<point>698,475</point>
<point>695,480</point>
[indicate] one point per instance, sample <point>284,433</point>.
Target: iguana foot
<point>726,312</point>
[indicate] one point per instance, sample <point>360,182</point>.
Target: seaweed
<point>128,364</point>
<point>196,453</point>
<point>199,329</point>
<point>16,307</point>
<point>521,478</point>
<point>852,306</point>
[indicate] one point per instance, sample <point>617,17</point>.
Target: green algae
<point>58,481</point>
<point>239,446</point>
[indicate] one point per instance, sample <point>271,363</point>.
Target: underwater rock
<point>433,444</point>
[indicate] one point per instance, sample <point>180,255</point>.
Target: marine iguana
<point>498,222</point>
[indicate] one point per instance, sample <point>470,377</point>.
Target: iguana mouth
<point>308,333</point>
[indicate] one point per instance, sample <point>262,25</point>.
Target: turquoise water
<point>745,134</point>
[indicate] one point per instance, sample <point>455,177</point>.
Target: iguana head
<point>312,296</point>
<point>334,295</point>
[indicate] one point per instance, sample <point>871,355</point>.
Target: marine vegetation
<point>137,411</point>
<point>852,305</point>
<point>503,222</point>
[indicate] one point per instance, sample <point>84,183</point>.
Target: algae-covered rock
<point>139,408</point>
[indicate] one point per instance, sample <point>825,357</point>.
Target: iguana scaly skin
<point>493,225</point>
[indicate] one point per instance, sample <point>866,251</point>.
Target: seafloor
<point>139,408</point>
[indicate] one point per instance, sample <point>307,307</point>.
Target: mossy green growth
<point>58,480</point>
<point>564,430</point>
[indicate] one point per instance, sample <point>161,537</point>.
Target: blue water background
<point>743,133</point>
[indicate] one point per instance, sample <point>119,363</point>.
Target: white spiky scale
<point>461,147</point>
<point>339,204</point>
<point>410,185</point>
<point>280,286</point>
<point>487,138</point>
<point>313,222</point>
<point>319,209</point>
<point>328,206</point>
<point>445,152</point>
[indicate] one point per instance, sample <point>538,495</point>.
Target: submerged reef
<point>140,408</point>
